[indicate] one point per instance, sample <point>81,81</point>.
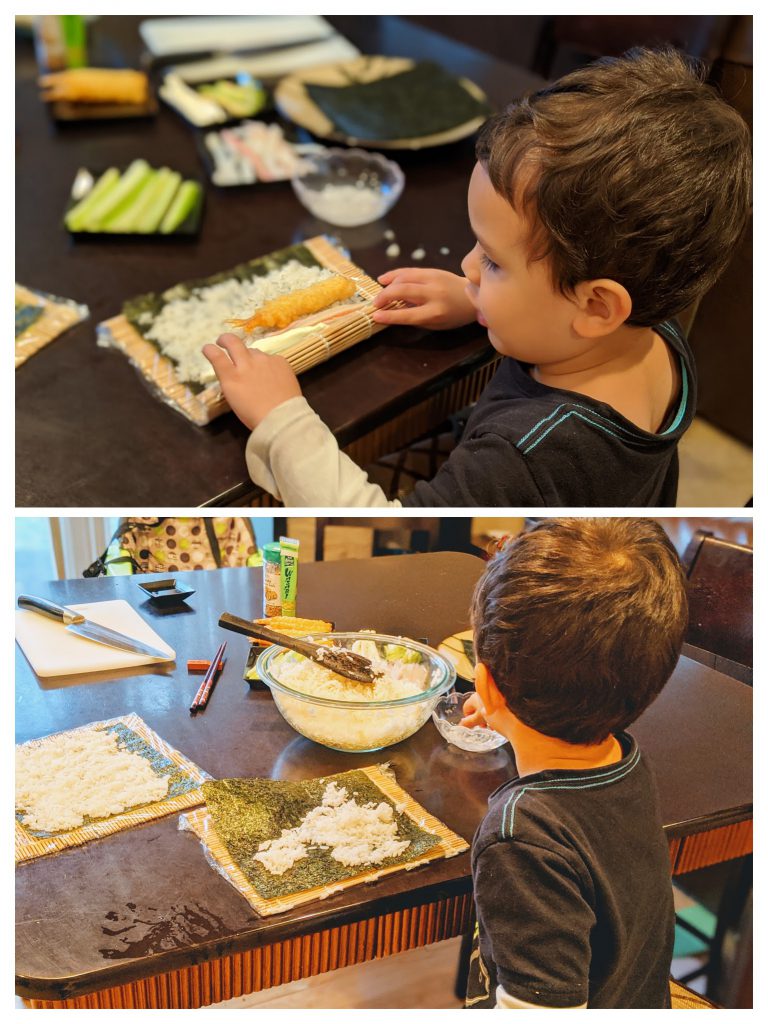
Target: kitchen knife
<point>74,622</point>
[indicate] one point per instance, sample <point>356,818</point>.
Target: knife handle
<point>53,611</point>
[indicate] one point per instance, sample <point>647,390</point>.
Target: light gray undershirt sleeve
<point>293,455</point>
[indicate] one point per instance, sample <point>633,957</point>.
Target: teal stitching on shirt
<point>540,423</point>
<point>618,426</point>
<point>683,401</point>
<point>587,408</point>
<point>613,775</point>
<point>562,420</point>
<point>574,405</point>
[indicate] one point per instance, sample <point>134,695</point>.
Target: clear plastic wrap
<point>41,318</point>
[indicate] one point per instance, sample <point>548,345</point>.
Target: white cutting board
<point>52,650</point>
<point>166,36</point>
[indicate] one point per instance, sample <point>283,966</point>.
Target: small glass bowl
<point>448,713</point>
<point>348,187</point>
<point>359,726</point>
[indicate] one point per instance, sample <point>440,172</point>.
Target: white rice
<point>188,322</point>
<point>355,834</point>
<point>345,728</point>
<point>80,774</point>
<point>395,679</point>
<point>347,205</point>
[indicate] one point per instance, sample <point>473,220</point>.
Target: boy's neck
<point>633,370</point>
<point>535,752</point>
<point>617,352</point>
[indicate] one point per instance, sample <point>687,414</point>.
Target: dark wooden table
<point>89,432</point>
<point>140,919</point>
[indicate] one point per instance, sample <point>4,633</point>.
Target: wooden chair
<point>684,998</point>
<point>597,35</point>
<point>720,597</point>
<point>719,634</point>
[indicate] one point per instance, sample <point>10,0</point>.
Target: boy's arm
<point>536,921</point>
<point>484,470</point>
<point>290,453</point>
<point>293,455</point>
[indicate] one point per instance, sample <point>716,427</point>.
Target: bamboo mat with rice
<point>314,344</point>
<point>242,813</point>
<point>184,790</point>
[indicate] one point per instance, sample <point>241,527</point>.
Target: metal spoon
<point>344,663</point>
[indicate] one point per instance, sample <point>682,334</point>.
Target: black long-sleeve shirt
<point>525,444</point>
<point>529,444</point>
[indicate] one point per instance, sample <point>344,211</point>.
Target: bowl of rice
<point>360,717</point>
<point>348,187</point>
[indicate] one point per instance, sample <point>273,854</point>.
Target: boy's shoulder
<point>565,812</point>
<point>529,414</point>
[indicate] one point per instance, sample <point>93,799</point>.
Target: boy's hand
<point>253,383</point>
<point>474,713</point>
<point>436,298</point>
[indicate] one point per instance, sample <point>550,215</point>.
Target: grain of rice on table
<point>64,779</point>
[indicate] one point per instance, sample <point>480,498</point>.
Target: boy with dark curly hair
<point>602,206</point>
<point>578,624</point>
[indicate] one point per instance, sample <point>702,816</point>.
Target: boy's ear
<point>603,305</point>
<point>487,690</point>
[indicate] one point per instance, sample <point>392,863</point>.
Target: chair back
<point>683,998</point>
<point>720,596</point>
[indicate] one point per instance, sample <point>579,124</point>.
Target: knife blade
<point>76,623</point>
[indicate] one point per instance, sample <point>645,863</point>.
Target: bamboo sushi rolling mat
<point>56,316</point>
<point>311,349</point>
<point>200,822</point>
<point>29,845</point>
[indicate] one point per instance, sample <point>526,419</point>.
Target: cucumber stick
<point>162,202</point>
<point>125,221</point>
<point>184,202</point>
<point>75,217</point>
<point>117,200</point>
<point>150,203</point>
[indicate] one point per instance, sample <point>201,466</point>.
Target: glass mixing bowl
<point>359,725</point>
<point>348,187</point>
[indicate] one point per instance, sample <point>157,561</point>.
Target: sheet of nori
<point>179,781</point>
<point>153,302</point>
<point>424,100</point>
<point>26,316</point>
<point>246,812</point>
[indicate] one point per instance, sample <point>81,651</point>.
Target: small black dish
<point>166,592</point>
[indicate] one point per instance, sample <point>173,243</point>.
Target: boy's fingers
<point>218,359</point>
<point>405,315</point>
<point>401,272</point>
<point>388,276</point>
<point>407,292</point>
<point>233,346</point>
